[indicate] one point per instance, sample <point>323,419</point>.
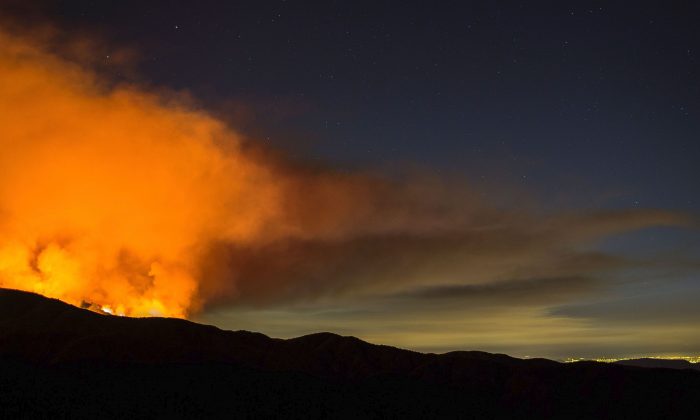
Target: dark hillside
<point>57,361</point>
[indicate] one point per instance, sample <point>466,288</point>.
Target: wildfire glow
<point>110,195</point>
<point>134,203</point>
<point>117,198</point>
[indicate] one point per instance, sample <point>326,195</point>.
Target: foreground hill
<point>57,360</point>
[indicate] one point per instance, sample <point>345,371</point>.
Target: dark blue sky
<point>599,95</point>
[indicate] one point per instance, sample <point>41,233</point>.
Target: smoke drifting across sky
<point>143,203</point>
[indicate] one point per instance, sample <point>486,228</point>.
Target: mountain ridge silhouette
<point>58,359</point>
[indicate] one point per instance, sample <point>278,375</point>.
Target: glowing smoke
<point>123,198</point>
<point>109,195</point>
<point>112,195</point>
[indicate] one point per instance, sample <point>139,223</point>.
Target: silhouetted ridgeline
<point>60,361</point>
<point>660,363</point>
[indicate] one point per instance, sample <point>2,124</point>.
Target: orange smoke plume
<point>141,205</point>
<point>114,197</point>
<point>110,195</point>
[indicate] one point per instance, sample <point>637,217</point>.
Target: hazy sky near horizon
<point>538,162</point>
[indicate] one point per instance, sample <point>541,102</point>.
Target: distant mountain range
<point>649,362</point>
<point>57,360</point>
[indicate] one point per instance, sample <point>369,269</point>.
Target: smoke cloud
<point>142,204</point>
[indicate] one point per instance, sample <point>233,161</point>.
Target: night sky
<point>558,107</point>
